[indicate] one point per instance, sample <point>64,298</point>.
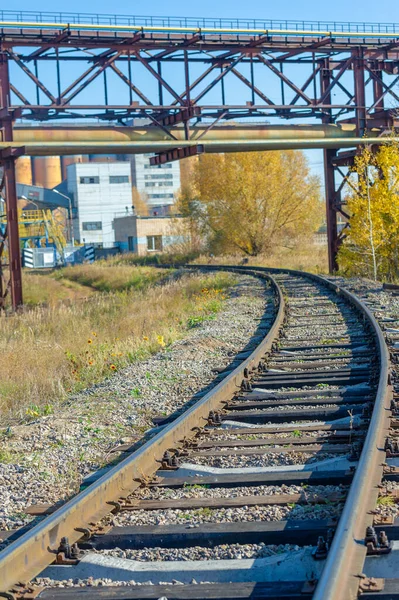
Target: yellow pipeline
<point>232,132</point>
<point>155,28</point>
<point>210,146</point>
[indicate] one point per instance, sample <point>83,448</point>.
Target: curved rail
<point>340,578</point>
<point>341,575</point>
<point>33,551</point>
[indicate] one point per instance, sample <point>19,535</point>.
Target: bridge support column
<point>332,231</point>
<point>8,189</point>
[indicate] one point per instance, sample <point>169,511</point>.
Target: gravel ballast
<point>47,459</point>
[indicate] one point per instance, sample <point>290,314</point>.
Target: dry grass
<point>50,352</point>
<point>43,288</point>
<point>313,259</point>
<point>104,277</point>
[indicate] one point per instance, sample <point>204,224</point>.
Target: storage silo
<point>47,171</point>
<point>23,170</point>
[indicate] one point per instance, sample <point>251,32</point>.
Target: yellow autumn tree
<point>140,203</point>
<point>255,201</point>
<point>371,245</point>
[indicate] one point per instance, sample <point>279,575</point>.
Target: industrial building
<point>100,191</point>
<point>158,185</point>
<point>146,235</point>
<point>86,193</point>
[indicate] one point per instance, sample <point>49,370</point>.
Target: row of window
<point>167,166</point>
<point>160,196</point>
<point>158,183</point>
<point>159,176</point>
<point>112,179</point>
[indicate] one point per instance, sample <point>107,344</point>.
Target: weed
<point>385,501</point>
<point>195,486</point>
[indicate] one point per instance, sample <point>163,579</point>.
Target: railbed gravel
<point>384,304</point>
<point>49,457</point>
<point>196,491</point>
<point>222,552</point>
<point>270,459</point>
<point>194,517</point>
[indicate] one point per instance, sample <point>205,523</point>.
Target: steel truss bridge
<point>205,85</point>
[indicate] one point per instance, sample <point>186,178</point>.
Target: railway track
<point>263,489</point>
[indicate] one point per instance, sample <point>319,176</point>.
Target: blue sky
<point>342,10</point>
<point>315,10</point>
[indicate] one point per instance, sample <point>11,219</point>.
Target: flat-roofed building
<point>99,191</point>
<point>146,235</point>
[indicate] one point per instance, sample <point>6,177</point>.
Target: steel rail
<point>200,30</point>
<point>340,578</point>
<point>33,551</point>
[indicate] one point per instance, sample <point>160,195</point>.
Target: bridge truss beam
<point>183,78</point>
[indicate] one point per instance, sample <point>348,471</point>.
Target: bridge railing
<point>17,16</point>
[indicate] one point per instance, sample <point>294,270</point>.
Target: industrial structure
<point>157,184</point>
<point>99,192</point>
<point>336,81</point>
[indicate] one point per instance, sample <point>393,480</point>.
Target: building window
<point>166,166</point>
<point>92,226</point>
<point>159,176</point>
<point>158,183</point>
<point>154,242</point>
<point>160,196</point>
<point>119,178</point>
<point>89,180</point>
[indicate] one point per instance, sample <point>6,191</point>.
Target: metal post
<point>329,177</point>
<point>8,163</point>
<point>332,232</point>
<point>14,250</point>
<point>360,91</point>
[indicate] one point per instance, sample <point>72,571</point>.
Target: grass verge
<point>102,276</point>
<point>50,352</point>
<point>313,259</point>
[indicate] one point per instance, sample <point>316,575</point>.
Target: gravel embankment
<point>47,459</point>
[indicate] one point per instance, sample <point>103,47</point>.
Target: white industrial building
<point>100,191</point>
<point>158,185</point>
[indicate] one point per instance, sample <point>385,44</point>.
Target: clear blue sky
<point>311,10</point>
<point>342,10</point>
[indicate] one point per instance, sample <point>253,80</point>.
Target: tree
<point>254,201</point>
<point>139,202</point>
<point>371,246</point>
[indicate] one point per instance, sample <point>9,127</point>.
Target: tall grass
<point>104,277</point>
<point>44,288</point>
<point>50,352</point>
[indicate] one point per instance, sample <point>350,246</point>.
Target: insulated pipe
<point>209,146</point>
<point>233,132</point>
